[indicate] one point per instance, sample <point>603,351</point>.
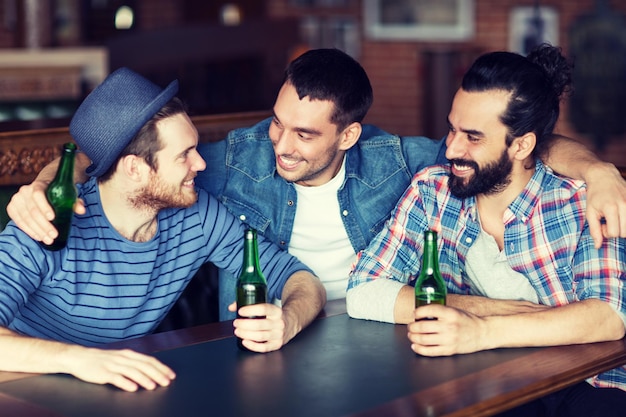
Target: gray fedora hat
<point>113,113</point>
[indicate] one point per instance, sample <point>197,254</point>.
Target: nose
<point>454,144</point>
<point>283,144</point>
<point>198,164</point>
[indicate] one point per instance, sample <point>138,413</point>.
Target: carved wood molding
<point>24,153</point>
<point>26,162</point>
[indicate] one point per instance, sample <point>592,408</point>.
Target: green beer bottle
<point>430,287</point>
<point>251,284</point>
<point>61,194</point>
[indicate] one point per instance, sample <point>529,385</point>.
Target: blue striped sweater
<point>103,288</point>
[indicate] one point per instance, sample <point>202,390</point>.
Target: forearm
<point>573,159</point>
<point>126,369</point>
<point>483,306</point>
<point>302,300</point>
<point>81,163</point>
<point>27,354</point>
<point>480,306</point>
<point>580,322</point>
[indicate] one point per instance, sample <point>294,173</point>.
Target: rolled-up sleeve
<point>601,273</point>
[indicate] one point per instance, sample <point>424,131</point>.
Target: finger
<point>256,310</point>
<point>123,383</point>
<point>262,347</point>
<point>148,360</point>
<point>79,207</point>
<point>425,339</point>
<point>160,373</point>
<point>146,371</point>
<point>23,226</point>
<point>259,329</point>
<point>595,230</point>
<point>139,378</point>
<point>260,341</point>
<point>42,206</point>
<point>622,221</point>
<point>16,209</point>
<point>611,217</point>
<point>430,350</point>
<point>430,311</point>
<point>42,214</point>
<point>149,376</point>
<point>31,220</point>
<point>251,324</point>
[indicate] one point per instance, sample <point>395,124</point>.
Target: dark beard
<point>491,179</point>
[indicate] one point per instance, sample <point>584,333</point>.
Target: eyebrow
<point>468,131</point>
<point>187,150</point>
<point>305,130</point>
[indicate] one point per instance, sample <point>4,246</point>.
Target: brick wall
<point>397,69</point>
<point>400,74</point>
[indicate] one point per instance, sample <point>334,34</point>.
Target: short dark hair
<point>332,75</point>
<point>146,142</point>
<point>536,84</point>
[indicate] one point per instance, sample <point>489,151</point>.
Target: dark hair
<point>146,142</point>
<point>332,75</point>
<point>536,84</point>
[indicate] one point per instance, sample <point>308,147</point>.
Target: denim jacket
<point>241,173</point>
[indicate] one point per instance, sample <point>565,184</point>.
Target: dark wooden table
<point>336,367</point>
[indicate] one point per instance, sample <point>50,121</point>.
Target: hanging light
<point>230,15</point>
<point>124,18</point>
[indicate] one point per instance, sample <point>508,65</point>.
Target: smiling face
<point>178,162</point>
<point>479,158</point>
<point>309,150</point>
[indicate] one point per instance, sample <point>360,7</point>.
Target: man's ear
<point>524,145</point>
<point>133,167</point>
<point>350,135</point>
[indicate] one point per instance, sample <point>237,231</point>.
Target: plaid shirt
<point>546,238</point>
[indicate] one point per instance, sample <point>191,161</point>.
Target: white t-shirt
<point>319,238</point>
<point>490,274</point>
<point>487,269</point>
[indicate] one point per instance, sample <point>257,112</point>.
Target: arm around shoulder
<point>29,208</point>
<point>606,197</point>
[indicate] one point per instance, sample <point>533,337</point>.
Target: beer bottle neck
<point>430,261</point>
<point>251,271</point>
<point>65,173</point>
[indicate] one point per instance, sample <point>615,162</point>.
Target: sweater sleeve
<point>225,242</point>
<point>23,267</point>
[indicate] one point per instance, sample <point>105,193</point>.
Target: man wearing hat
<point>146,230</point>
